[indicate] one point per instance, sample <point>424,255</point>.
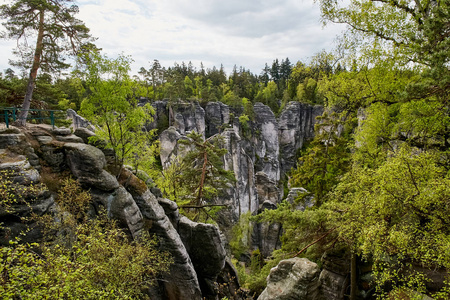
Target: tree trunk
<point>22,118</point>
<point>353,278</point>
<point>202,180</point>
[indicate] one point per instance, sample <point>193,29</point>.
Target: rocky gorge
<point>259,158</point>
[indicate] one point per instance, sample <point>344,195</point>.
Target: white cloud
<point>245,33</point>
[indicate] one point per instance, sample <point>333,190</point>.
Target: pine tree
<point>57,33</point>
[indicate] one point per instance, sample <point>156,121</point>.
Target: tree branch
<point>316,241</point>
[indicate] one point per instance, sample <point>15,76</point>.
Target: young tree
<point>113,107</point>
<point>57,33</point>
<point>202,174</point>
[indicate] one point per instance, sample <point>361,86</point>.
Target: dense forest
<point>377,169</point>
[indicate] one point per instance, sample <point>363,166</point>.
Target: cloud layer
<point>246,33</point>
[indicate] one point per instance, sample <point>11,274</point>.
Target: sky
<point>247,33</point>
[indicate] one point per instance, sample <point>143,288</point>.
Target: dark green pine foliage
<point>203,173</point>
<point>327,157</point>
<point>57,33</point>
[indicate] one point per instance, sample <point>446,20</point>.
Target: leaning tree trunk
<point>22,118</point>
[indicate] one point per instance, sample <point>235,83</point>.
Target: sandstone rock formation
<point>197,249</point>
<point>293,279</point>
<point>259,160</point>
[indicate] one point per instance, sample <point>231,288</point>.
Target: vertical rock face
<point>296,125</point>
<point>197,249</point>
<point>216,115</point>
<point>243,197</point>
<point>269,152</point>
<point>267,148</point>
<point>188,117</point>
<point>260,156</point>
<point>205,248</point>
<point>170,148</point>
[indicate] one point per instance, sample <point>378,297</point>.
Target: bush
<point>82,259</point>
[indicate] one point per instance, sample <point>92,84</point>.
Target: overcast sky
<point>245,33</point>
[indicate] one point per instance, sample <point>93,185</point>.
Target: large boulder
<point>87,164</point>
<point>121,206</point>
<point>293,279</point>
<point>205,248</point>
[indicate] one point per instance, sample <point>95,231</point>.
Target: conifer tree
<point>56,30</point>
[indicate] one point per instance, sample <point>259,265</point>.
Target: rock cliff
<point>197,249</point>
<point>260,156</point>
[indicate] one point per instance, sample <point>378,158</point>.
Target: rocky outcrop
<point>242,198</point>
<point>20,178</point>
<point>259,159</point>
<point>197,249</point>
<point>293,279</point>
<point>205,248</point>
<point>170,148</point>
<point>77,120</point>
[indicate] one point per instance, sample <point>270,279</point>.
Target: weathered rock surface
<point>19,177</point>
<point>170,148</point>
<point>293,279</point>
<point>242,198</point>
<point>267,144</point>
<point>181,282</point>
<point>188,116</point>
<point>87,164</point>
<point>206,250</point>
<point>197,249</point>
<point>84,134</point>
<point>259,160</point>
<point>295,126</point>
<point>77,120</point>
<point>217,115</point>
<point>266,236</point>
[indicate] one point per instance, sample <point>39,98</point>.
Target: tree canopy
<point>57,32</point>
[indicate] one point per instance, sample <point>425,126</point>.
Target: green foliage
<point>13,193</point>
<point>253,278</point>
<point>84,258</point>
<point>402,32</point>
<point>397,215</point>
<point>199,177</point>
<point>269,96</point>
<point>326,158</point>
<point>112,106</point>
<point>241,235</point>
